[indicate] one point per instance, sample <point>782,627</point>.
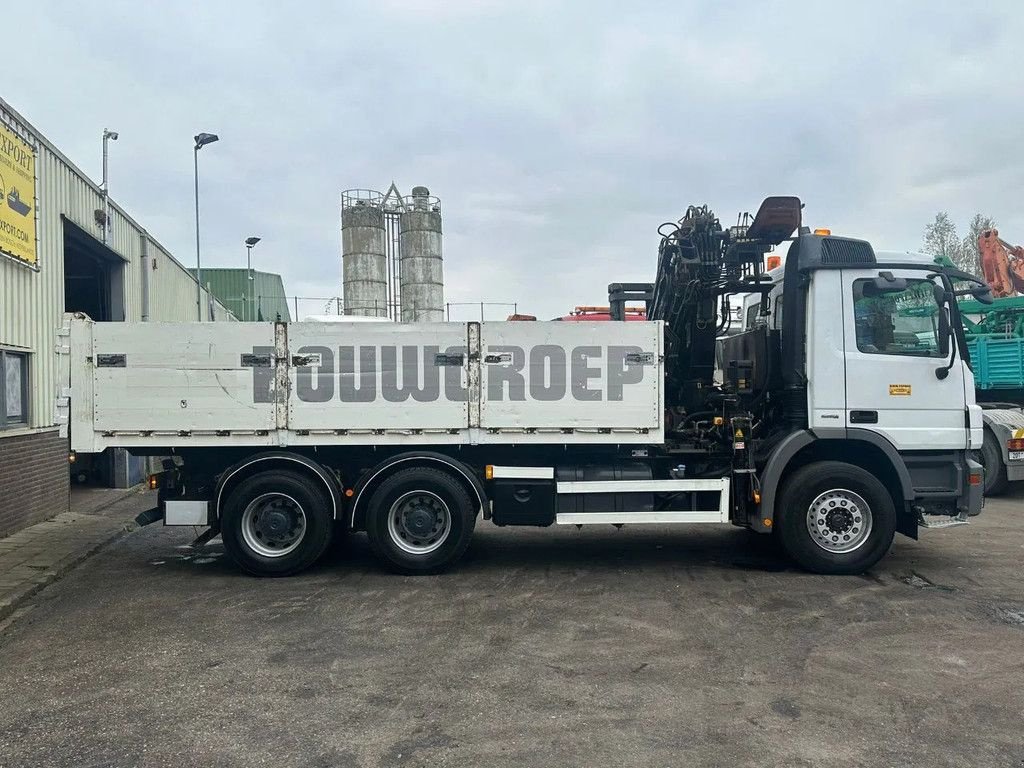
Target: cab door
<point>893,350</point>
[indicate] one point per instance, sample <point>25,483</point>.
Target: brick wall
<point>34,479</point>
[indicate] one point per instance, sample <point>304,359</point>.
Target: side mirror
<point>940,295</point>
<point>982,294</point>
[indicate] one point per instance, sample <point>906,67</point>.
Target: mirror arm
<point>942,372</point>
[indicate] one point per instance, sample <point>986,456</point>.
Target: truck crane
<point>828,428</point>
<point>1002,264</point>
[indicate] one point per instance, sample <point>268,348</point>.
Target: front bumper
<point>1014,471</point>
<point>973,493</point>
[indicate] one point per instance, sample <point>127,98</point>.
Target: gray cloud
<point>558,135</point>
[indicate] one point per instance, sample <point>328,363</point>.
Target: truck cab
<point>885,387</point>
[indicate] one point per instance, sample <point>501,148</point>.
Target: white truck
<point>279,435</point>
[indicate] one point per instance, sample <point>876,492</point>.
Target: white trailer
<point>824,431</point>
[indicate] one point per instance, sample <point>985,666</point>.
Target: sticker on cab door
<point>899,389</point>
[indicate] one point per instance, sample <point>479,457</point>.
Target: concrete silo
<point>364,253</point>
<point>421,271</point>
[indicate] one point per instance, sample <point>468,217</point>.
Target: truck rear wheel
<point>835,518</point>
<point>420,520</point>
<point>276,523</point>
<point>991,459</point>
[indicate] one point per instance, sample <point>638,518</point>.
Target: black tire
<point>832,487</point>
<point>991,458</point>
<point>407,499</point>
<point>262,491</point>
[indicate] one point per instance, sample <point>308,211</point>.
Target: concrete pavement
<point>38,555</point>
<point>640,647</point>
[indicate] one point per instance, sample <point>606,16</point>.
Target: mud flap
<point>149,516</point>
<point>906,521</point>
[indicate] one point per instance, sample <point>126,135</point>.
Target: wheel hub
<point>839,521</point>
<point>273,524</point>
<point>419,522</point>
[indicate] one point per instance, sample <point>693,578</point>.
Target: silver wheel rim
<point>839,521</point>
<point>273,524</point>
<point>419,522</point>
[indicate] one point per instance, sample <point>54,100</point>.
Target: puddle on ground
<point>1011,615</point>
<point>919,581</point>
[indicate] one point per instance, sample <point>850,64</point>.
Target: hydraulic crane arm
<point>1002,264</point>
<point>700,264</point>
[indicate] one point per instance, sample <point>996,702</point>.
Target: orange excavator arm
<point>1002,264</point>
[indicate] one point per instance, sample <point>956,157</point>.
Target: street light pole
<point>201,139</point>
<point>108,136</point>
<point>249,243</point>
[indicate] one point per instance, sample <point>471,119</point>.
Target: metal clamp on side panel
<point>111,361</point>
<point>443,359</point>
<point>249,360</point>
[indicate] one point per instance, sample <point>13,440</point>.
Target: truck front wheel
<point>835,518</point>
<point>420,520</point>
<point>276,523</point>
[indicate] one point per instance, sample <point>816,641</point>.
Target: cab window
<point>902,323</point>
<point>753,312</point>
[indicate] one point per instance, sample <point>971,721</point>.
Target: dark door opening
<point>93,276</point>
<point>94,284</point>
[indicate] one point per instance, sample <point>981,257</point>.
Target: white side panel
<point>522,473</point>
<point>826,348</point>
<point>186,384</point>
<point>181,377</point>
<point>579,376</point>
<point>385,376</point>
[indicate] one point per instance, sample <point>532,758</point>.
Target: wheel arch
<point>252,465</point>
<point>861,448</point>
<point>370,479</point>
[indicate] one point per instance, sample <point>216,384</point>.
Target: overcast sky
<point>557,135</point>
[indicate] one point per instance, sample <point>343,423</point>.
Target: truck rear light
<point>974,478</point>
<point>1015,444</point>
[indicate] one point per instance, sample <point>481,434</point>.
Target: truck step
<point>717,511</point>
<point>625,518</point>
<point>941,521</point>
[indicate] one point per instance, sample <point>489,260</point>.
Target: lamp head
<point>202,139</point>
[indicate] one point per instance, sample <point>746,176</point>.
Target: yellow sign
<point>899,389</point>
<point>17,197</point>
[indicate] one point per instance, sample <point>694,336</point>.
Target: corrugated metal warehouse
<point>249,294</point>
<point>53,259</point>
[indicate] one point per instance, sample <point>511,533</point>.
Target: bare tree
<point>942,240</point>
<point>971,254</point>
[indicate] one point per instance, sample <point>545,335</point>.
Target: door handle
<point>863,417</point>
